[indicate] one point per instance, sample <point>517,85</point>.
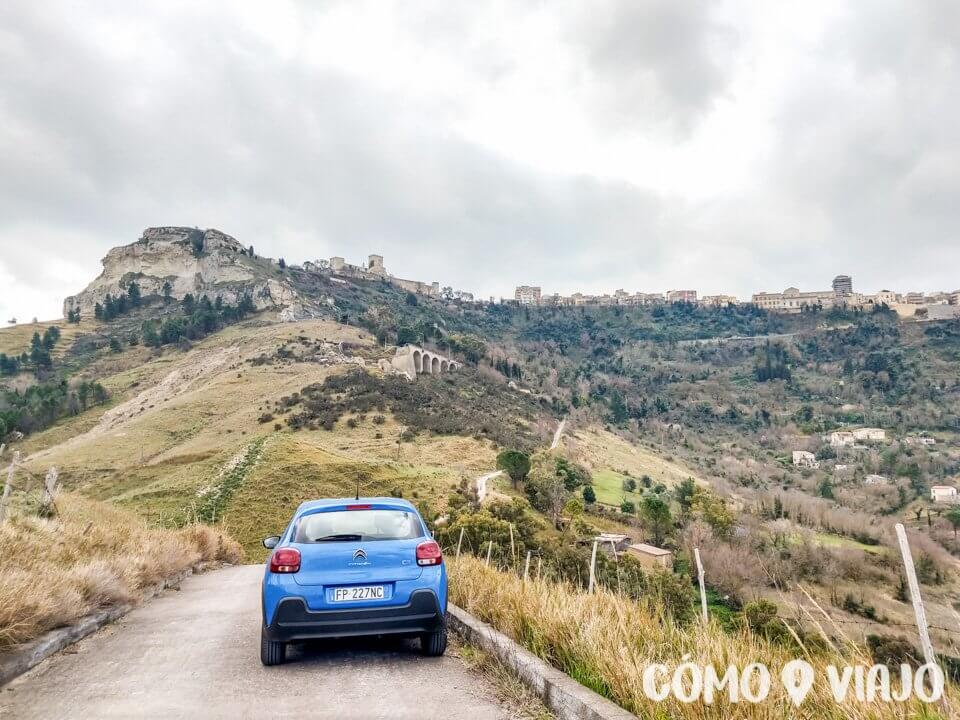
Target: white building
<point>870,434</point>
<point>920,441</point>
<point>841,438</point>
<point>718,300</point>
<point>944,494</point>
<point>875,480</point>
<point>674,296</point>
<point>802,458</point>
<point>527,295</point>
<point>793,300</point>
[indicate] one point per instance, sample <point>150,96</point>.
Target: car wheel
<point>271,652</point>
<point>434,644</point>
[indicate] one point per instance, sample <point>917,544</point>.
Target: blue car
<point>347,568</point>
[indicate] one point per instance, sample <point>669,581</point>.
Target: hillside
<point>682,422</point>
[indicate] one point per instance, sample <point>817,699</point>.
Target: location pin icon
<point>797,679</point>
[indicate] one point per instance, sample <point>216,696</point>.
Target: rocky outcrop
<point>201,262</point>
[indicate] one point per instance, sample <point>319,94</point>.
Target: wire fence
<point>536,565</point>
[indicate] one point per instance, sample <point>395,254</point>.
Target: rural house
<point>652,557</point>
<point>841,438</point>
<point>870,435</point>
<point>802,458</point>
<point>944,494</point>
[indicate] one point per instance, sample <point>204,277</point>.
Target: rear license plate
<point>359,593</point>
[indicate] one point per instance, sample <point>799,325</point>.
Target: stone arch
<point>417,361</point>
<point>435,365</point>
<point>444,366</point>
<point>427,363</point>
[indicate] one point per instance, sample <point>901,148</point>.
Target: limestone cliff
<point>202,262</point>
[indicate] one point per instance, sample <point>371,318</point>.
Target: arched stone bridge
<point>412,361</point>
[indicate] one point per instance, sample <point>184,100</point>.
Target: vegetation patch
<point>232,476</point>
<point>607,640</point>
<point>460,403</point>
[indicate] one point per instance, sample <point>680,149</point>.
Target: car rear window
<point>358,526</point>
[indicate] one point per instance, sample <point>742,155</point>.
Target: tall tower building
<point>375,265</point>
<point>843,285</point>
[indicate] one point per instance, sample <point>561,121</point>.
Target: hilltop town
<point>181,261</point>
<point>938,305</point>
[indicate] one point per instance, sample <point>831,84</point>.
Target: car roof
<point>332,502</point>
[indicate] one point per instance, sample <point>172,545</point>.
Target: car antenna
<point>358,486</point>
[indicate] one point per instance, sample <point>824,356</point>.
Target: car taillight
<point>285,560</point>
<point>428,553</point>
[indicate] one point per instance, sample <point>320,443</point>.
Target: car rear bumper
<point>293,620</point>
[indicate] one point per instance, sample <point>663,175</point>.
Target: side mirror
<point>271,542</point>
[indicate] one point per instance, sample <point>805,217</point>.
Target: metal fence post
<point>703,590</point>
<point>929,656</point>
<point>593,567</point>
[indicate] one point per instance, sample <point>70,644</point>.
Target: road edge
<point>564,696</point>
<point>24,657</point>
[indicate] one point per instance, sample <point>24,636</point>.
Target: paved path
<point>558,434</point>
<point>195,654</point>
<point>482,484</point>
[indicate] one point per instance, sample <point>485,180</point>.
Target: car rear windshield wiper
<point>343,536</point>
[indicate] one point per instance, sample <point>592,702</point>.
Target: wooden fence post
<point>513,551</point>
<point>49,490</point>
<point>489,550</point>
<point>929,656</point>
<point>460,542</point>
<point>8,486</point>
<point>526,567</point>
<point>703,590</point>
<point>593,567</point>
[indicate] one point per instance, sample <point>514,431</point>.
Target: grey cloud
<point>207,126</point>
<point>870,147</point>
<point>653,65</point>
<point>232,137</point>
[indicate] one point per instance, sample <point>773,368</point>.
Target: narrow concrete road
<point>482,484</point>
<point>558,434</point>
<point>195,654</point>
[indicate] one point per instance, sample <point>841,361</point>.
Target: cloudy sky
<point>638,144</point>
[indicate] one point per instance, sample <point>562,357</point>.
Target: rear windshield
<point>358,526</point>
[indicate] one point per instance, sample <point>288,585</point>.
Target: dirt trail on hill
<point>187,375</point>
<point>176,383</point>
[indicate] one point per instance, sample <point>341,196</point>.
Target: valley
<point>648,423</point>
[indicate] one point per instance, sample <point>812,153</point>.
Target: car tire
<point>271,651</point>
<point>434,644</point>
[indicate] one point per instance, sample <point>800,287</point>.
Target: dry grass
<point>600,449</point>
<point>606,641</point>
<point>510,689</point>
<point>55,571</point>
<point>15,339</point>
